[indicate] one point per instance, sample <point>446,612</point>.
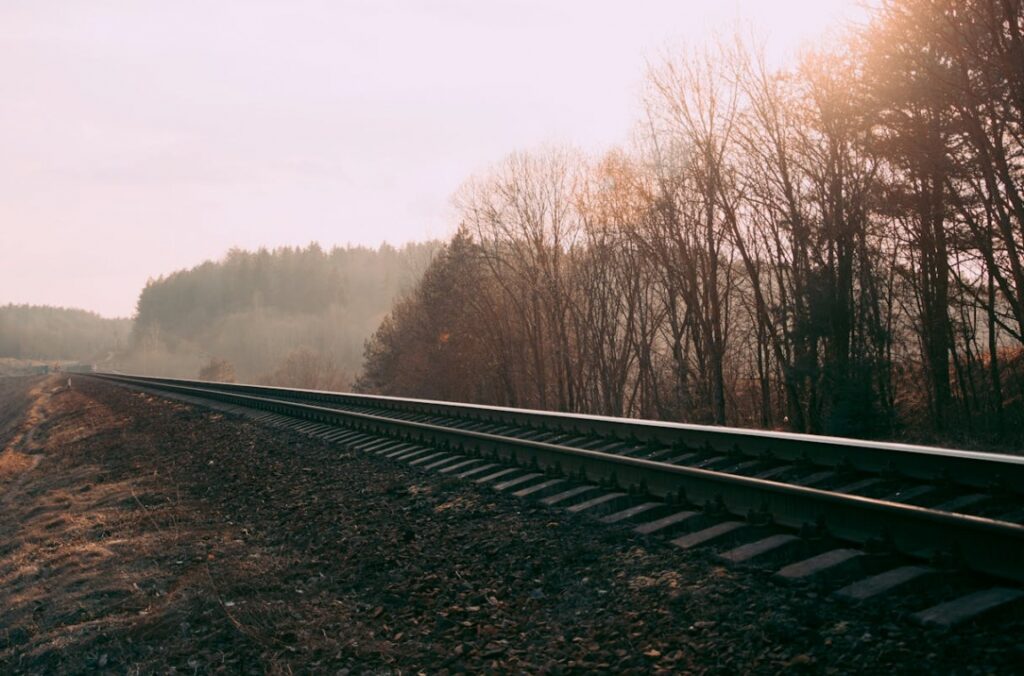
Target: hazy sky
<point>140,137</point>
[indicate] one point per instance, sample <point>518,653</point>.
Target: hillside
<point>268,310</point>
<point>39,332</point>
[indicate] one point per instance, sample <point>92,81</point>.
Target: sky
<point>140,137</point>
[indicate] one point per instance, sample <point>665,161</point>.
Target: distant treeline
<point>44,332</point>
<point>270,314</point>
<point>837,247</point>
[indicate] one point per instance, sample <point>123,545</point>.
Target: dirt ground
<point>139,535</point>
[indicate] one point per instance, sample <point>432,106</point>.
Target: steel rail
<point>992,547</point>
<point>968,468</point>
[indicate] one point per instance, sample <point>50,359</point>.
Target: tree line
<point>55,333</point>
<point>833,247</point>
<point>294,316</point>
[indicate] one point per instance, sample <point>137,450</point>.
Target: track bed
<point>154,534</point>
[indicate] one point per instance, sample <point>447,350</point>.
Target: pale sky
<point>140,137</point>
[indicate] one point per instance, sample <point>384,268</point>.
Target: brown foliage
<point>218,370</point>
<point>834,248</point>
<point>306,369</point>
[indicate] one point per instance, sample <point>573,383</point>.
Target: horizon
<point>347,246</point>
<point>319,312</point>
<point>141,142</point>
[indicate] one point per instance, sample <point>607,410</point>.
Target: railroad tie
<point>969,607</point>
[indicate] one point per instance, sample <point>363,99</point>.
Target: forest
<point>286,316</point>
<point>834,247</point>
<point>54,333</point>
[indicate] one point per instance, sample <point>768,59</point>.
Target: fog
<point>143,137</point>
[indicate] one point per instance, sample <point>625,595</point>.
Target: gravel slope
<point>154,537</point>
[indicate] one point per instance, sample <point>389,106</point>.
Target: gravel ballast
<point>153,536</point>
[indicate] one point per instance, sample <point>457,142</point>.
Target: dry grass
<point>13,463</point>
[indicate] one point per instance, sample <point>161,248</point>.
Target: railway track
<point>941,529</point>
